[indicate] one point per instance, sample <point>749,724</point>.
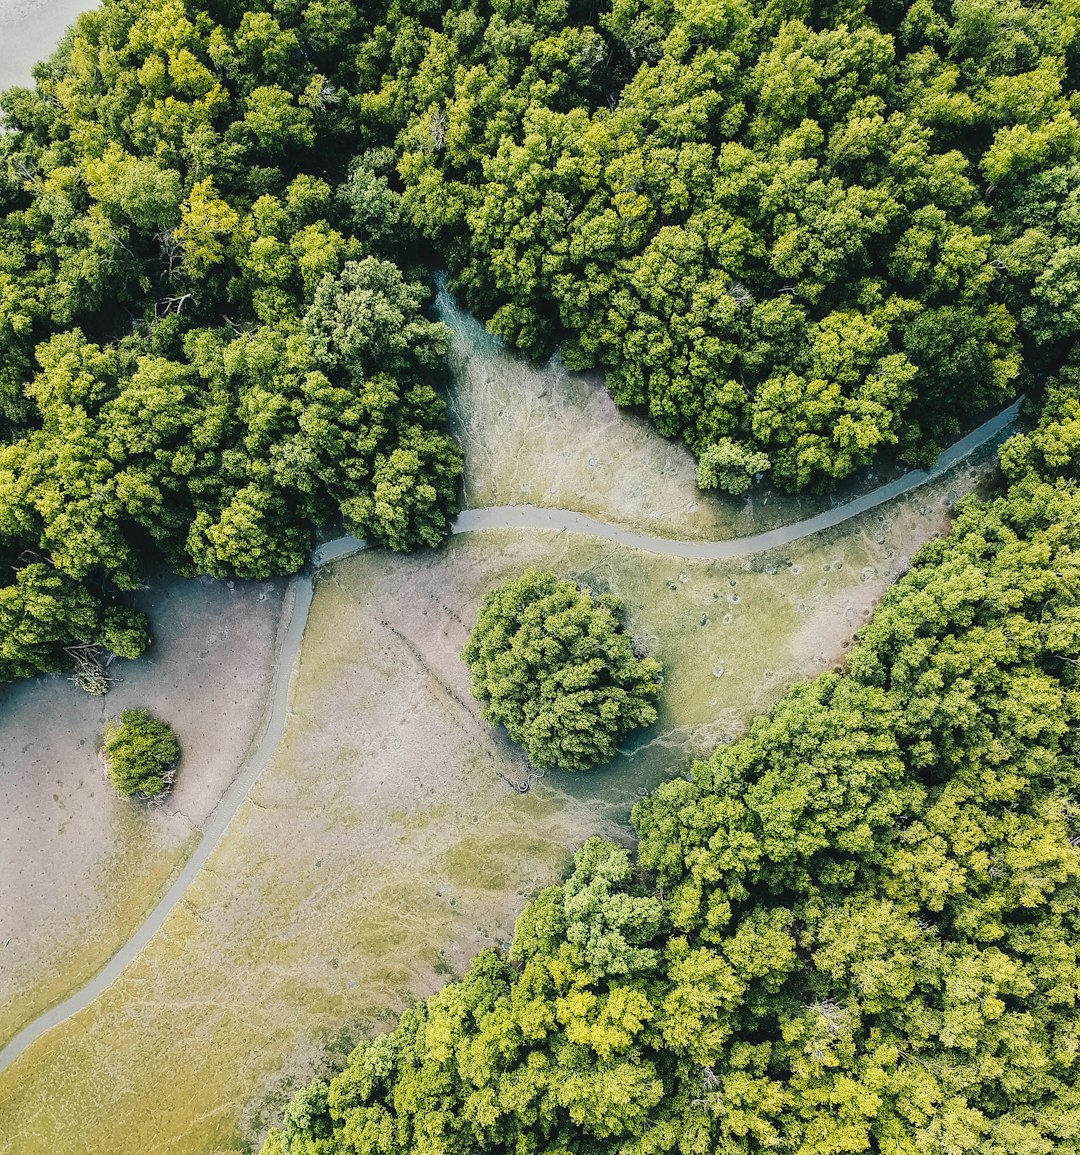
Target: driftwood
<point>91,673</point>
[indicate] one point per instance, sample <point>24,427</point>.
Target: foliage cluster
<point>139,754</point>
<point>796,234</point>
<point>212,332</point>
<point>808,230</point>
<point>554,664</point>
<point>856,929</point>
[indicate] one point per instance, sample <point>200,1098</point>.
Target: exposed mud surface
<point>29,30</point>
<point>79,867</point>
<point>540,435</point>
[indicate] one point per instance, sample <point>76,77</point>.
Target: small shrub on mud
<point>553,663</point>
<point>140,754</point>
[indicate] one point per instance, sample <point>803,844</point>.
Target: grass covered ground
<point>383,849</point>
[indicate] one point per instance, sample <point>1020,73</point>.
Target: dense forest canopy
<point>804,229</point>
<point>796,233</point>
<point>857,929</point>
<point>213,329</point>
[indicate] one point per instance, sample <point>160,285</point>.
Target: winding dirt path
<point>469,521</point>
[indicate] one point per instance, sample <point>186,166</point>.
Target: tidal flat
<point>29,31</point>
<point>79,867</point>
<point>540,435</point>
<point>385,844</point>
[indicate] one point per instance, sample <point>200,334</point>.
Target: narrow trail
<point>469,521</point>
<point>568,521</point>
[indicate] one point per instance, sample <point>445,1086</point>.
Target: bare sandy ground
<point>79,867</point>
<point>383,846</point>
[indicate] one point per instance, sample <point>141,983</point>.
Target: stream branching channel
<point>506,517</point>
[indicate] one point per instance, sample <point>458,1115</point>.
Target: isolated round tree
<point>140,753</point>
<point>554,664</point>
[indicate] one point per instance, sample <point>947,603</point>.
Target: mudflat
<point>541,435</point>
<point>79,867</point>
<point>29,31</point>
<point>385,844</point>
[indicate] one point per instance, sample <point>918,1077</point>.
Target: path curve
<point>469,521</point>
<point>568,521</point>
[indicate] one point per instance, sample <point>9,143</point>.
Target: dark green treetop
<point>554,664</point>
<point>207,344</point>
<point>140,752</point>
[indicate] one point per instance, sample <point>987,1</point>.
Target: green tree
<point>140,753</point>
<point>43,613</point>
<point>367,320</point>
<point>730,466</point>
<point>798,230</point>
<point>169,211</point>
<point>413,487</point>
<point>554,664</point>
<point>851,930</point>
